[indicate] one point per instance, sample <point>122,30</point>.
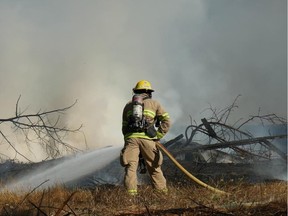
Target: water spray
<point>71,169</point>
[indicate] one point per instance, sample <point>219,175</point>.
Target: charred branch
<point>240,142</point>
<point>208,127</point>
<point>215,133</point>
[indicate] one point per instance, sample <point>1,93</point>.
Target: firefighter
<point>144,122</point>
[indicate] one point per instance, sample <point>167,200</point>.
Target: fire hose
<point>193,178</point>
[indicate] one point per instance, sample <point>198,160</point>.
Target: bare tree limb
<point>44,128</point>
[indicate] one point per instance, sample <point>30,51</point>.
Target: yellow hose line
<point>161,147</point>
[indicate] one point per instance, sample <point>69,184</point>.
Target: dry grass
<point>268,198</point>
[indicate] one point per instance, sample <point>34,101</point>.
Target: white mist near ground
<point>65,171</point>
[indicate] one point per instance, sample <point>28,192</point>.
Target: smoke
<point>194,53</point>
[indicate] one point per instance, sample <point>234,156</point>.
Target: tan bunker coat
<point>141,142</point>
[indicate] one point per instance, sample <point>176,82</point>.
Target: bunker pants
<point>129,158</point>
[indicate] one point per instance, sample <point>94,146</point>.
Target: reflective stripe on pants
<point>132,192</point>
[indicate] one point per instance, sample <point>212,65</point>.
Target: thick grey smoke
<point>194,52</point>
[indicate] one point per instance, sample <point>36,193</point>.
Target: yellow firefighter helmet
<point>143,85</point>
